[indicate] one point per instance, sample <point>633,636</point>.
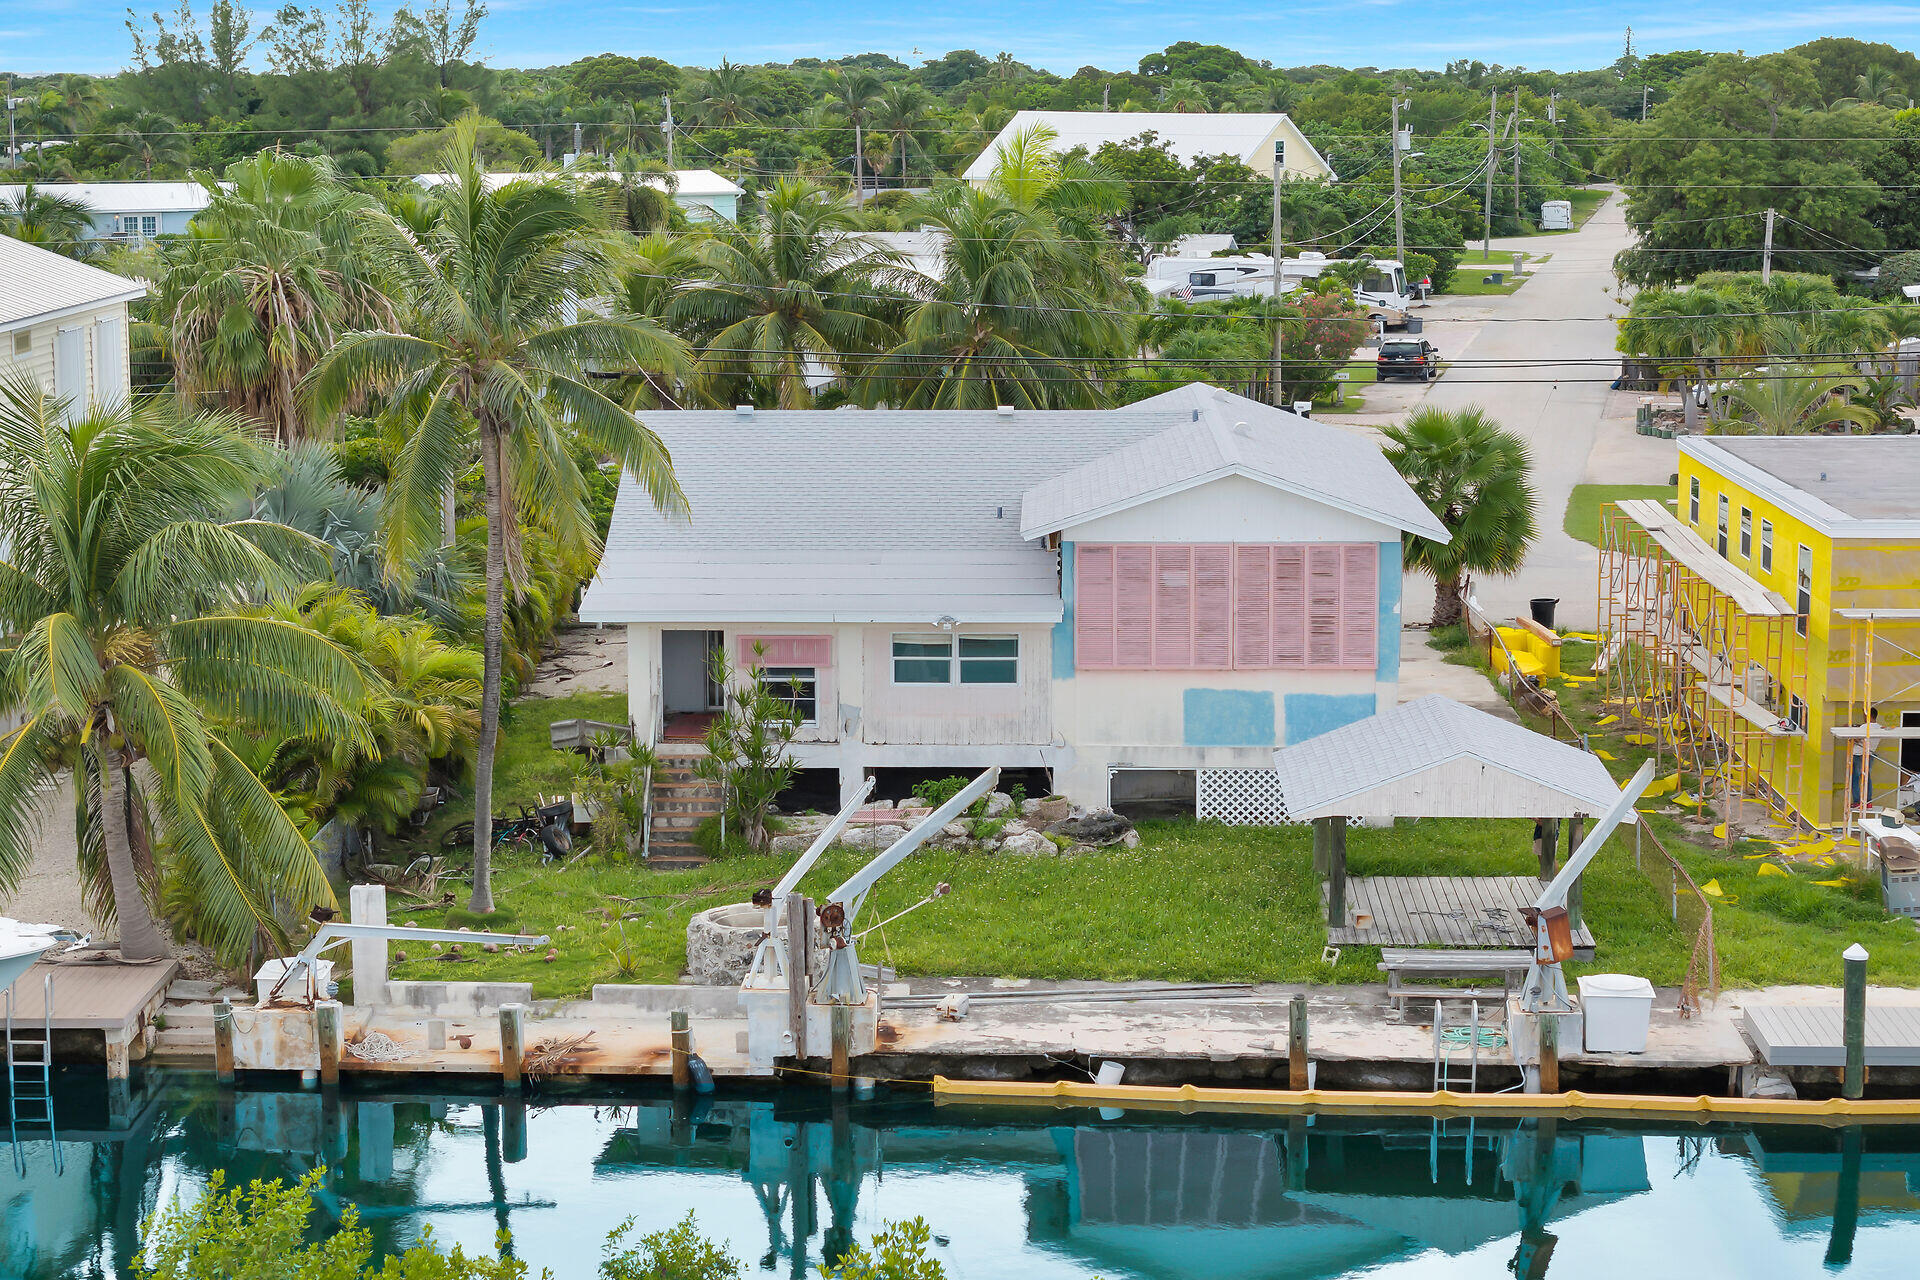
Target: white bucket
<point>1110,1073</point>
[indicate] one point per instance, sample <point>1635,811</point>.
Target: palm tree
<point>853,96</point>
<point>1474,474</point>
<point>660,265</point>
<point>1682,330</point>
<point>1184,95</point>
<point>726,96</point>
<point>147,142</point>
<point>904,111</point>
<point>1876,86</point>
<point>1009,319</point>
<point>643,190</point>
<point>493,359</point>
<point>52,221</point>
<point>788,295</point>
<point>127,645</point>
<point>270,273</point>
<point>1792,400</point>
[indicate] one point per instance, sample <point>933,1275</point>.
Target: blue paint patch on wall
<point>1311,714</point>
<point>1063,629</point>
<point>1389,626</point>
<point>1228,718</point>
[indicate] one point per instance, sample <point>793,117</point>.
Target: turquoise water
<point>784,1178</point>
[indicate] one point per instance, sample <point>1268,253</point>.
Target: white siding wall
<point>97,347</point>
<point>1232,509</point>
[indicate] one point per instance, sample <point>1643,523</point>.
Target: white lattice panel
<point>1241,797</point>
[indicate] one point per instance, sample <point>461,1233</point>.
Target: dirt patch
<point>583,660</point>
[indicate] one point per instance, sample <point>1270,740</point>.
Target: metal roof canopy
<point>1691,550</point>
<point>1437,758</point>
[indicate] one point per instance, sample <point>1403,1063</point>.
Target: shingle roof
<point>1354,770</point>
<point>1187,134</point>
<point>1232,435</point>
<point>36,284</point>
<point>852,515</point>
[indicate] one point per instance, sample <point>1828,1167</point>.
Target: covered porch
<point>1436,758</point>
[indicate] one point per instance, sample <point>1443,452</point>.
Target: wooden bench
<point>1397,962</point>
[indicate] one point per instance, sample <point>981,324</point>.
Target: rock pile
<point>1039,828</point>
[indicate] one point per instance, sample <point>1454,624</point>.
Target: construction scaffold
<point>1702,663</point>
<point>1882,711</point>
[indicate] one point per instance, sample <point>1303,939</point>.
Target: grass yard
<point>1582,520</point>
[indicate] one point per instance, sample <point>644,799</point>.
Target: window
<point>1766,546</point>
<point>1796,712</point>
<point>1279,154</point>
<point>798,687</point>
<point>1720,542</point>
<point>989,659</point>
<point>1201,277</point>
<point>1693,501</point>
<point>1214,607</point>
<point>1803,591</point>
<point>138,224</point>
<point>1746,534</point>
<point>930,659</point>
<point>23,343</point>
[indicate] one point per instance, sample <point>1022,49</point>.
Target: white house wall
<point>1232,509</point>
<point>103,370</point>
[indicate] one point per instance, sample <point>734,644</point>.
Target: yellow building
<point>1761,621</point>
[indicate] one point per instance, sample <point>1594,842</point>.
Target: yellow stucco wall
<point>1846,574</point>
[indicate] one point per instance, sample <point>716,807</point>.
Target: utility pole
<point>13,142</point>
<point>1553,121</point>
<point>1279,269</point>
<point>666,126</point>
<point>1399,200</point>
<point>1105,89</point>
<point>1766,254</point>
<point>1644,90</point>
<point>1516,156</point>
<point>1493,113</point>
<point>859,168</point>
<point>576,142</point>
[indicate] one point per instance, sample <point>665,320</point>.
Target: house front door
<point>686,671</point>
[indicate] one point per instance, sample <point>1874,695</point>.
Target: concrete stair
<point>680,802</point>
<point>186,1039</point>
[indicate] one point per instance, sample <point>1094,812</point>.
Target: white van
<point>1556,215</point>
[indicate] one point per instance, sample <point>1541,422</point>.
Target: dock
<point>95,993</point>
<point>1443,911</point>
<point>1809,1035</point>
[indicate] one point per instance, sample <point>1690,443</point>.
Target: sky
<point>39,36</point>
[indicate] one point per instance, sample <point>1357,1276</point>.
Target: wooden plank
<point>91,997</point>
<point>1423,909</point>
<point>1810,1035</point>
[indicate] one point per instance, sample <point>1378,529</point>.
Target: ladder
<point>30,1064</point>
<point>1447,1073</point>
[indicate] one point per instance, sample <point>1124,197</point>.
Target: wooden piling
<point>1337,873</point>
<point>513,1045</point>
<point>799,967</point>
<point>1574,917</point>
<point>1296,1153</point>
<point>1549,1052</point>
<point>1546,846</point>
<point>682,1049</point>
<point>326,1030</point>
<point>1297,1043</point>
<point>1322,844</point>
<point>1854,1023</point>
<point>513,1130</point>
<point>842,1046</point>
<point>223,1042</point>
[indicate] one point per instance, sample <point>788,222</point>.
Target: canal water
<point>786,1179</point>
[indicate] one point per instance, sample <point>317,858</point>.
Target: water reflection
<point>789,1180</point>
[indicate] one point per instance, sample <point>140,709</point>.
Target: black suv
<point>1407,358</point>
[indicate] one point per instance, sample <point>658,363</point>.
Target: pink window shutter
<point>1323,606</point>
<point>1092,606</point>
<point>1213,611</point>
<point>1289,606</point>
<point>1133,606</point>
<point>1173,607</point>
<point>1359,605</point>
<point>1252,606</point>
<point>785,651</point>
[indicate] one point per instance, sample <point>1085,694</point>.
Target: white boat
<point>21,944</point>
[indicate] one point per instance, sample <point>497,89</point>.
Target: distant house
<point>128,212</point>
<point>1130,601</point>
<point>1259,139</point>
<point>64,324</point>
<point>703,193</point>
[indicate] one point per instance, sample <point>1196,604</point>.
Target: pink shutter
<point>785,651</point>
<point>1289,606</point>
<point>1323,606</point>
<point>1173,607</point>
<point>1092,606</point>
<point>1359,605</point>
<point>1213,607</point>
<point>1133,606</point>
<point>1252,607</point>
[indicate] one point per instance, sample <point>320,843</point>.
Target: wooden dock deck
<point>94,993</point>
<point>1442,911</point>
<point>1809,1035</point>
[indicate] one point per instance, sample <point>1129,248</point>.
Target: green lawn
<point>1582,520</point>
<point>1195,902</point>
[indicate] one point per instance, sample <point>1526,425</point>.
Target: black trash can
<point>1542,609</point>
<point>1415,324</point>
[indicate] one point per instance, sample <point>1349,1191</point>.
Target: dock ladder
<point>30,1076</point>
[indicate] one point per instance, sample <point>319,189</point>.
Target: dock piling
<point>799,967</point>
<point>1297,1043</point>
<point>842,1047</point>
<point>1549,1052</point>
<point>1854,1023</point>
<point>513,1044</point>
<point>223,1042</point>
<point>326,1031</point>
<point>682,1049</point>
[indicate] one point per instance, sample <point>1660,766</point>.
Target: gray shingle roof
<point>1340,772</point>
<point>876,515</point>
<point>36,283</point>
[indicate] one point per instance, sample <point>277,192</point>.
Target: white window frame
<point>955,659</point>
<point>1722,516</point>
<point>1803,591</point>
<point>1746,533</point>
<point>777,680</point>
<point>1693,501</point>
<point>22,343</point>
<point>1766,546</point>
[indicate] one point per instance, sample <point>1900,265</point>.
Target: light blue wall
<point>172,223</point>
<point>1388,670</point>
<point>1063,629</point>
<point>706,208</point>
<point>1311,714</point>
<point>1228,718</point>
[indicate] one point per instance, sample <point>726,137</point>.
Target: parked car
<point>1407,358</point>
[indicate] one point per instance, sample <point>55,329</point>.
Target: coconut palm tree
<point>127,644</point>
<point>643,188</point>
<point>146,142</point>
<point>726,96</point>
<point>48,219</point>
<point>494,360</point>
<point>853,97</point>
<point>270,274</point>
<point>1792,400</point>
<point>904,112</point>
<point>788,295</point>
<point>1682,330</point>
<point>1010,318</point>
<point>1475,475</point>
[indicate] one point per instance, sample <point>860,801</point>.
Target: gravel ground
<point>50,891</point>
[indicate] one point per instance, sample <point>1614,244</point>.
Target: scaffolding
<point>1709,665</point>
<point>1883,698</point>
